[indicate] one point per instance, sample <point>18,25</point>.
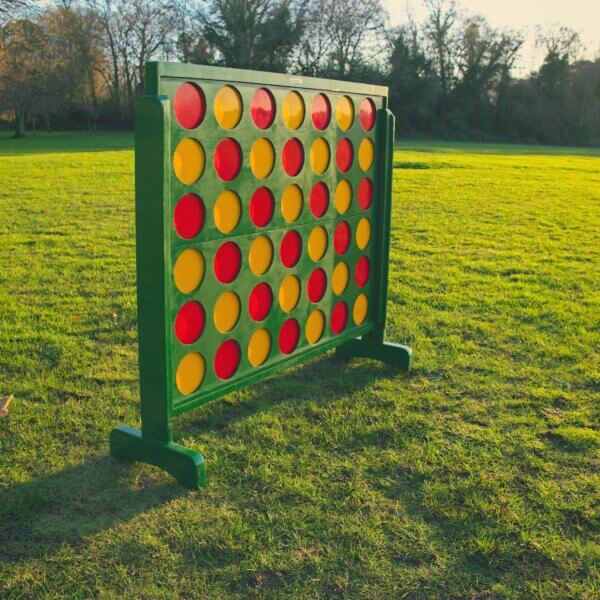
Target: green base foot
<point>187,466</point>
<point>393,354</point>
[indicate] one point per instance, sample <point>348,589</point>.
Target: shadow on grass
<point>417,166</point>
<point>411,165</point>
<point>64,508</point>
<point>297,385</point>
<point>40,516</point>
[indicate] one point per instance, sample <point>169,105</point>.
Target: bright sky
<point>581,15</point>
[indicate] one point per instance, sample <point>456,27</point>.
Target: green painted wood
<point>396,355</point>
<point>187,466</point>
<point>158,245</point>
<point>263,78</point>
<point>386,170</point>
<point>152,185</point>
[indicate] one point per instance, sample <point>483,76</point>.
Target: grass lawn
<point>475,476</point>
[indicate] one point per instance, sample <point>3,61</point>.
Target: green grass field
<point>475,476</point>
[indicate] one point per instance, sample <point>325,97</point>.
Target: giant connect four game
<point>262,215</point>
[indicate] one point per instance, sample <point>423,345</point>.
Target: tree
<point>255,34</point>
<point>563,46</point>
<point>133,32</point>
<point>75,35</point>
<point>342,37</point>
<point>438,31</point>
<point>193,48</point>
<point>356,29</point>
<point>562,42</point>
<point>23,70</point>
<point>315,44</point>
<point>413,85</point>
<point>483,54</point>
<point>484,58</point>
<point>72,61</point>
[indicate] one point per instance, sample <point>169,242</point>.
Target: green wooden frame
<point>156,134</point>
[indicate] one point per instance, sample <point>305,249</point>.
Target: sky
<point>581,15</point>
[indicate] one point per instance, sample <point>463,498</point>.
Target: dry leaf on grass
<point>4,402</point>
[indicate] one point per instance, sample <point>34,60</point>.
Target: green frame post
<point>373,344</point>
<point>157,134</point>
<point>154,443</point>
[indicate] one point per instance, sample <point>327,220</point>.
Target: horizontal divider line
<point>224,237</point>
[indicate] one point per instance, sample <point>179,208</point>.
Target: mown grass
<point>475,476</point>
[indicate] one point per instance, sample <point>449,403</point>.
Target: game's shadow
<point>66,507</point>
<point>297,385</point>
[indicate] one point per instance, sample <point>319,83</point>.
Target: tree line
<point>80,63</point>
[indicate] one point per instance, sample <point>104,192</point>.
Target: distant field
<point>475,476</point>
